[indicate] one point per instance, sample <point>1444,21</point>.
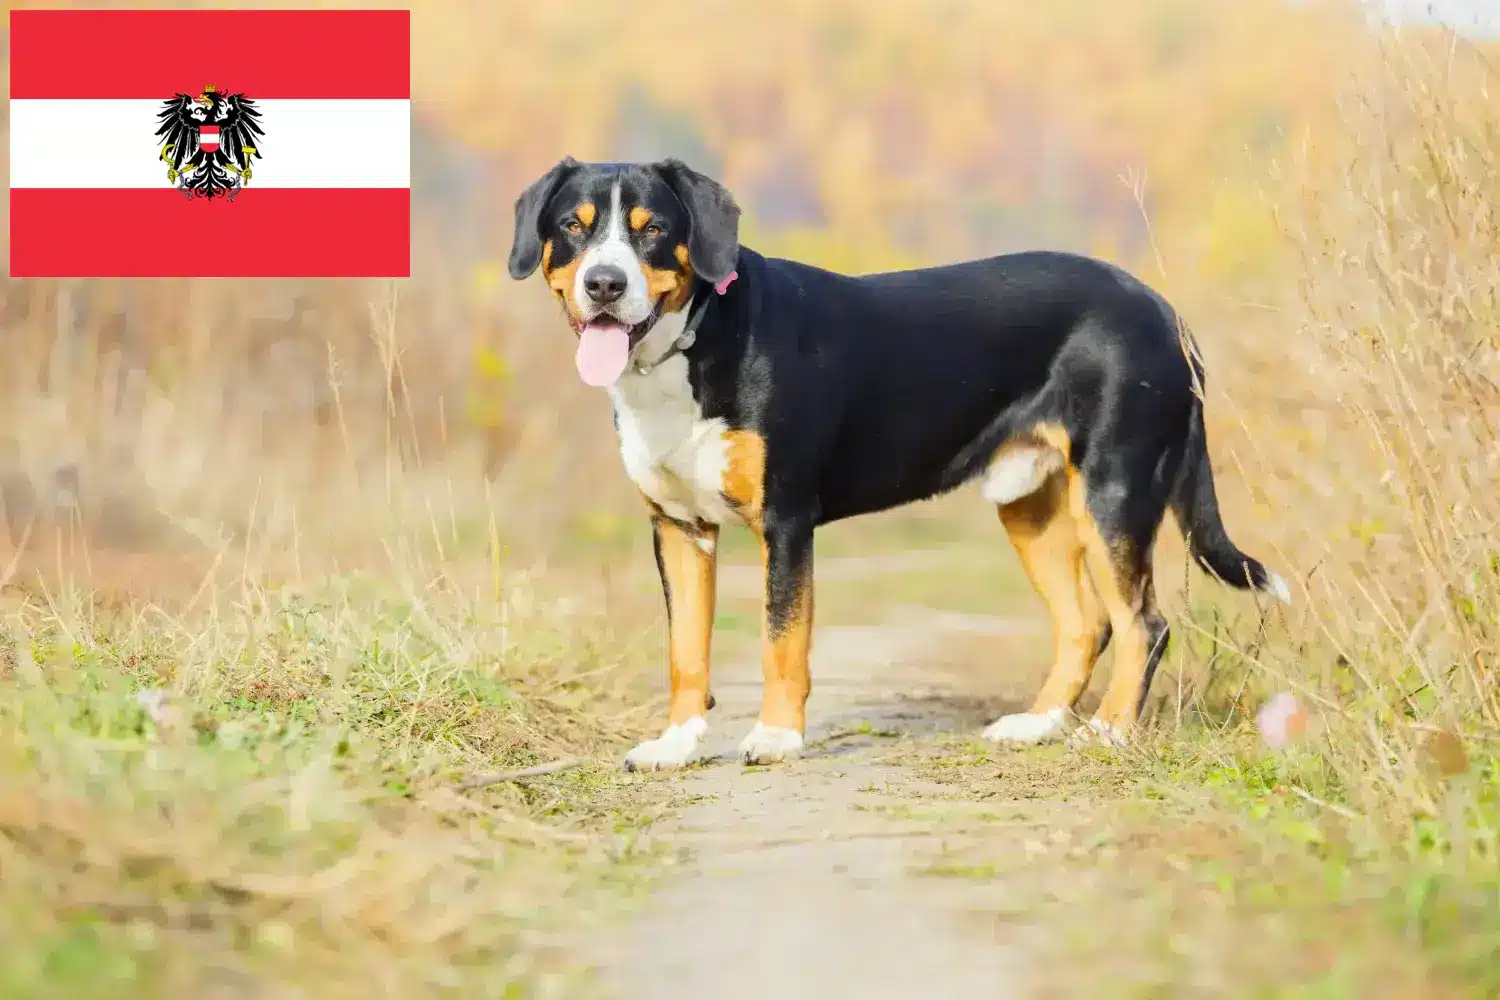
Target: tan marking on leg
<point>689,566</point>
<point>706,538</point>
<point>1046,538</point>
<point>587,212</point>
<point>640,217</point>
<point>745,474</point>
<point>784,668</point>
<point>1127,596</point>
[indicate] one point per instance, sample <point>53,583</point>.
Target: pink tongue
<point>603,352</point>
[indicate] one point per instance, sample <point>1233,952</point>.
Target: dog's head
<point>622,245</point>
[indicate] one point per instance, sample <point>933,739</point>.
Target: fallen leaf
<point>1444,753</point>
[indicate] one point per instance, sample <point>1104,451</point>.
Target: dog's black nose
<point>604,283</point>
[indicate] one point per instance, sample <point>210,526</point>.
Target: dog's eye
<point>652,230</point>
<point>573,226</point>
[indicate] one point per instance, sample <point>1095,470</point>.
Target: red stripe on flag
<point>158,233</point>
<point>264,54</point>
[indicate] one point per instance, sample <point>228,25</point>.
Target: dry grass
<point>1390,521</point>
<point>255,794</point>
<point>1400,566</point>
<point>255,797</point>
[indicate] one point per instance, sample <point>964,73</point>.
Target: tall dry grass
<point>1381,471</point>
<point>1400,251</point>
<point>281,426</point>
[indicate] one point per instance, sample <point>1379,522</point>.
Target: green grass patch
<point>259,798</point>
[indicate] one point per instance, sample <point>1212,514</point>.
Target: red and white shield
<point>208,138</point>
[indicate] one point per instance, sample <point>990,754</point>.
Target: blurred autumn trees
<point>856,134</point>
<point>903,128</point>
<point>914,128</point>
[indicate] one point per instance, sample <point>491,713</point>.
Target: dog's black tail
<point>1196,507</point>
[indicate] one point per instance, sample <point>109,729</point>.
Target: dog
<point>783,396</point>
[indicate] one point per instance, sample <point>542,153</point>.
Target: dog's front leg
<point>686,558</point>
<point>787,556</point>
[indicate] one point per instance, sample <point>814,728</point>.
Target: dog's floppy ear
<point>714,242</point>
<point>526,244</point>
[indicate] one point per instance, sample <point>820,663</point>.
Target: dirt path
<point>903,858</point>
<point>798,879</point>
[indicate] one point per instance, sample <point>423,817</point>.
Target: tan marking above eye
<point>639,217</point>
<point>682,254</point>
<point>587,212</point>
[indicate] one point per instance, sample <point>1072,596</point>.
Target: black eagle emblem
<point>208,141</point>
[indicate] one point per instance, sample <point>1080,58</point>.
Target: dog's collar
<point>689,332</point>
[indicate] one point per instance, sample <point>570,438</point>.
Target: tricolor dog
<point>782,396</point>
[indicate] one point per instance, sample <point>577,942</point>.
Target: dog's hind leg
<point>1046,537</point>
<point>1118,521</point>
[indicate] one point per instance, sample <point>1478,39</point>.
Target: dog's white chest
<point>671,452</point>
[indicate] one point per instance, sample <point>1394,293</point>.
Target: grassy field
<point>259,795</point>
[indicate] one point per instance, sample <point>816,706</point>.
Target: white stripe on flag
<point>307,144</point>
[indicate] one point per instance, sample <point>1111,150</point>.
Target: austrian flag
<point>210,143</point>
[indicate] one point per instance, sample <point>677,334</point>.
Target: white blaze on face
<point>614,248</point>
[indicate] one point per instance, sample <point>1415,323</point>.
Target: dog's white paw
<point>673,748</point>
<point>1026,727</point>
<point>768,744</point>
<point>1096,730</point>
